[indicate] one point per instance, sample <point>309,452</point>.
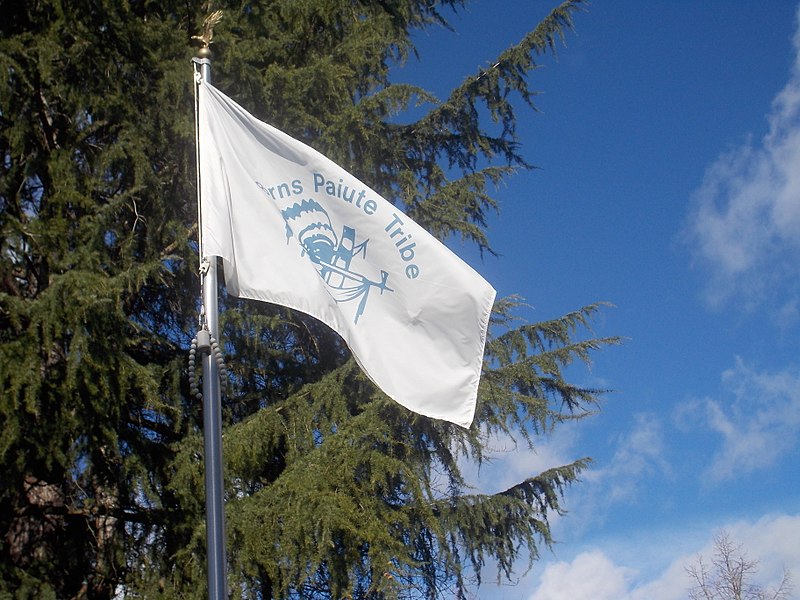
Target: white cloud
<point>758,419</point>
<point>772,540</point>
<point>590,576</point>
<point>745,223</point>
<point>609,574</point>
<point>509,462</point>
<point>639,453</point>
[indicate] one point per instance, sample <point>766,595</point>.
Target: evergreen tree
<point>333,491</point>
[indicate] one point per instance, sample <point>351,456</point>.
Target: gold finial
<point>204,39</point>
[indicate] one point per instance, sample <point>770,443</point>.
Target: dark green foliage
<point>333,490</point>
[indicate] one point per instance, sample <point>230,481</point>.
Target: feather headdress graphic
<point>332,255</point>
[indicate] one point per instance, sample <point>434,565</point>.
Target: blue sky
<point>668,147</point>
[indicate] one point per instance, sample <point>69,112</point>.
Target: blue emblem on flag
<point>332,255</point>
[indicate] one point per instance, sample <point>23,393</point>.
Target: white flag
<point>295,229</point>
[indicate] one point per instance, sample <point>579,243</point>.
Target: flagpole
<point>212,413</point>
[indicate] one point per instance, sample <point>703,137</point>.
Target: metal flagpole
<point>212,413</point>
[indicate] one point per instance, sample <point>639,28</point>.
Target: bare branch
<point>730,575</point>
